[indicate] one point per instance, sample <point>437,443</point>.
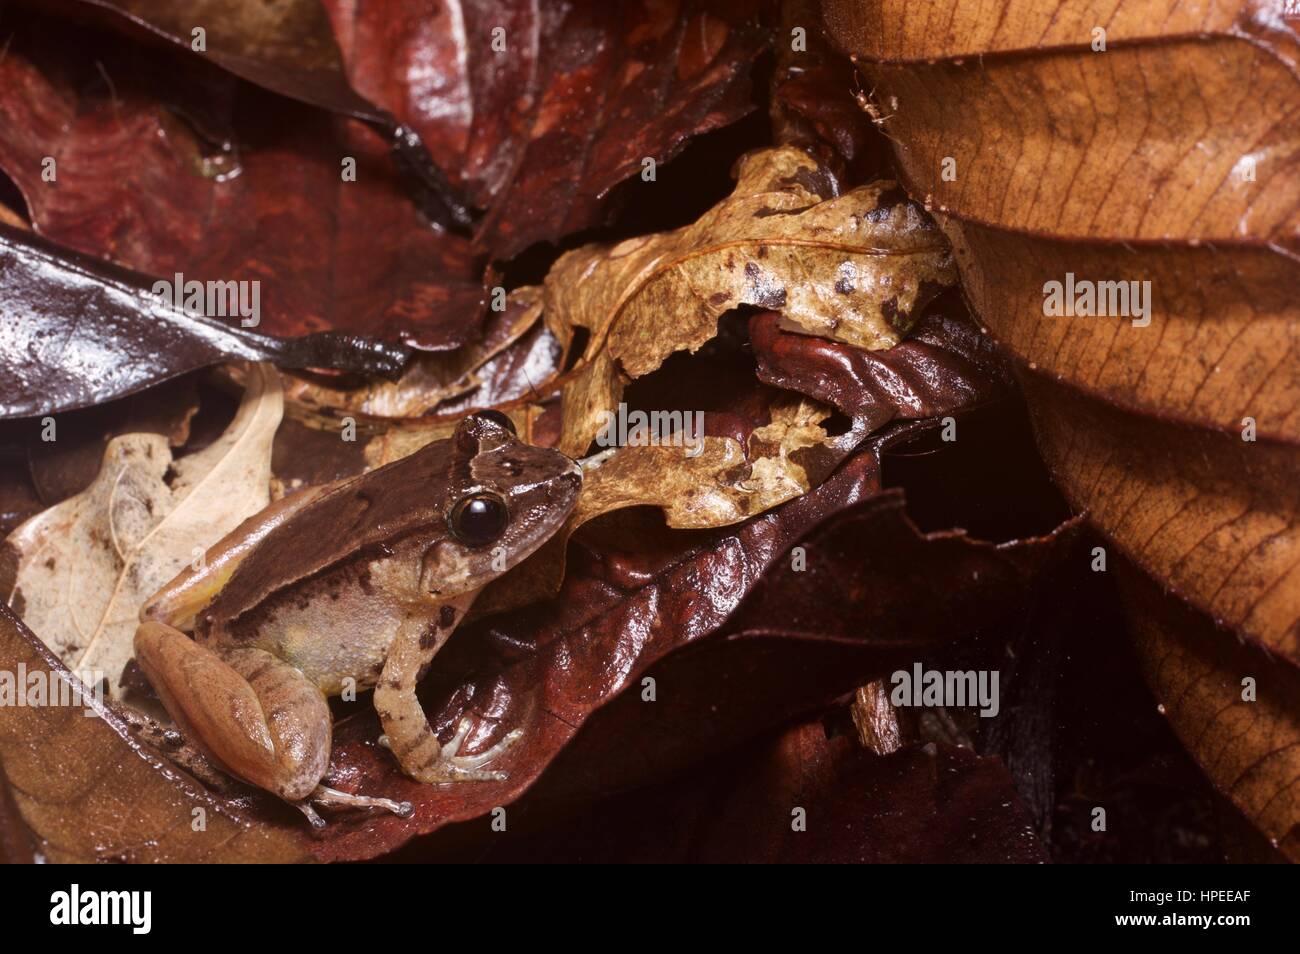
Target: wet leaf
<point>167,170</point>
<point>288,48</point>
<point>539,132</point>
<point>87,565</point>
<point>78,332</point>
<point>855,267</point>
<point>943,365</point>
<point>1169,415</point>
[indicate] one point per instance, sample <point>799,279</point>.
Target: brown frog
<point>354,584</point>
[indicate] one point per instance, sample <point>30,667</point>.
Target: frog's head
<point>506,498</point>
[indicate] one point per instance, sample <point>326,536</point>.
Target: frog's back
<point>365,513</point>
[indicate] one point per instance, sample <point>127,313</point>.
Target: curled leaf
<point>638,595</point>
<point>855,267</point>
<point>1154,321</point>
<point>430,379</point>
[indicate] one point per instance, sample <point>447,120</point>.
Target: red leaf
<point>583,92</point>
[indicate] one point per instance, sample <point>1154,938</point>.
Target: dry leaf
<point>87,565</point>
<point>855,267</point>
<point>725,482</point>
<point>1169,160</point>
<point>1197,673</point>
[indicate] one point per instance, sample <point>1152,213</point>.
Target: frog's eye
<point>499,418</point>
<point>479,519</point>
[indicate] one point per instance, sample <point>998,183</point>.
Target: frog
<point>352,584</point>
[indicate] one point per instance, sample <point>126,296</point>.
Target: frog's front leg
<point>406,729</point>
<point>254,715</point>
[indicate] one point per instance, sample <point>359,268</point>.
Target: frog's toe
<point>324,795</point>
<point>452,767</point>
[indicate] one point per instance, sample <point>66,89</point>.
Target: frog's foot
<point>332,797</point>
<point>452,767</point>
<point>447,766</point>
<point>304,806</point>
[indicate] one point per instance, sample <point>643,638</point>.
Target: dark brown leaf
<point>286,47</point>
<point>539,133</point>
<point>626,605</point>
<point>943,365</point>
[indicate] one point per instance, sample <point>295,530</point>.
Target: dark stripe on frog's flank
<point>367,511</point>
<point>447,617</point>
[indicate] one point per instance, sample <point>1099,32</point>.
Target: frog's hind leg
<point>406,729</point>
<point>251,713</point>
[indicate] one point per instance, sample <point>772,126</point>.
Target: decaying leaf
<point>638,595</point>
<point>855,267</point>
<point>68,465</point>
<point>87,565</point>
<point>1153,318</point>
<point>698,481</point>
